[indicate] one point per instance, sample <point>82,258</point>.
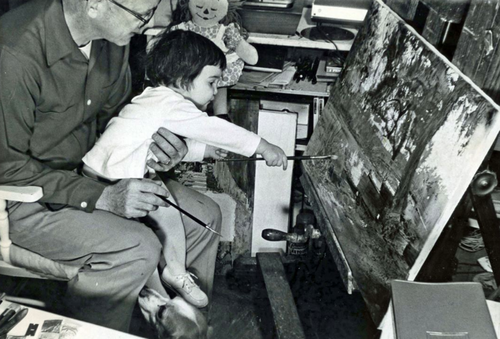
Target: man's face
<point>120,25</point>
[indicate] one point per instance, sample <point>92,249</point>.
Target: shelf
<point>281,40</point>
<point>305,88</point>
<point>296,41</point>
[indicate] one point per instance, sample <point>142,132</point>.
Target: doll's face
<point>207,13</point>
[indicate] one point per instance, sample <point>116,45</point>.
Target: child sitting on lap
<point>184,68</point>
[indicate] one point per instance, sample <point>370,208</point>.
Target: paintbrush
<point>13,321</point>
<point>302,157</point>
<point>189,215</point>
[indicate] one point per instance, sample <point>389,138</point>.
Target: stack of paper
<point>253,79</point>
<point>327,72</point>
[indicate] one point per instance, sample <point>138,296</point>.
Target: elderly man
<point>64,73</point>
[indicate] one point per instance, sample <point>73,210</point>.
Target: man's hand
<point>132,198</point>
<point>168,148</point>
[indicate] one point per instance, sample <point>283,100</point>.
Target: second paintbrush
<point>189,215</point>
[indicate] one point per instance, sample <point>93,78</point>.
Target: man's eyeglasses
<point>143,19</point>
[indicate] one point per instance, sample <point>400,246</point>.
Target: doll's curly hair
<point>181,14</point>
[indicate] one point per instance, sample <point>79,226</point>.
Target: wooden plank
<point>405,117</point>
<point>477,53</point>
<point>244,113</point>
<point>285,315</point>
<point>237,178</point>
<point>434,28</point>
<point>273,186</point>
<point>406,9</point>
<point>449,10</point>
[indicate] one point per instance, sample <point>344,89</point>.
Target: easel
<point>437,21</point>
<point>481,188</point>
<point>437,267</point>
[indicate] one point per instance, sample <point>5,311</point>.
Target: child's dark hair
<point>178,57</point>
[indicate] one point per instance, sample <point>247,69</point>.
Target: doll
<point>217,20</point>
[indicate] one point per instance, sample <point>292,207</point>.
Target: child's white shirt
<point>123,149</point>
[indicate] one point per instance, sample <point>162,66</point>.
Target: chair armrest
<point>21,193</point>
<point>13,193</point>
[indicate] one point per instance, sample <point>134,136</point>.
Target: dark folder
<point>456,310</point>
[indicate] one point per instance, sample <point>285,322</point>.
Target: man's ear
<point>94,7</point>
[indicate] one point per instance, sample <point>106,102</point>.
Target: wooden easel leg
<point>481,187</point>
<point>437,267</point>
<point>490,230</point>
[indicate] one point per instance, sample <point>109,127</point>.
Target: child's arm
<point>273,154</point>
<point>188,121</point>
<point>247,52</point>
<point>196,150</point>
<point>212,152</point>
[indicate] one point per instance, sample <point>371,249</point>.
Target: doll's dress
<point>230,37</point>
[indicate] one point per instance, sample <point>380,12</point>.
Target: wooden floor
<point>240,307</point>
<point>242,310</point>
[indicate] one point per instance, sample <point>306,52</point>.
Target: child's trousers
<point>116,256</point>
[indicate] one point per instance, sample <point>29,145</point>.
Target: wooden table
<point>83,330</point>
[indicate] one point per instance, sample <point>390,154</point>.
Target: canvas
<point>410,131</point>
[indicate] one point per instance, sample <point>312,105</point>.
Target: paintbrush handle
<point>13,321</point>
<point>302,157</point>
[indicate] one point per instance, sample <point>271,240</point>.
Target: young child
<point>183,68</point>
<point>219,21</point>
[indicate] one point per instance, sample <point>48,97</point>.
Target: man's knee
<point>214,215</point>
<point>147,249</point>
<point>211,215</point>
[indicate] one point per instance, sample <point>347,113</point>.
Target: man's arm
<point>18,94</point>
<point>18,97</point>
<point>134,198</point>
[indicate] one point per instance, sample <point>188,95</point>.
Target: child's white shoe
<point>185,286</point>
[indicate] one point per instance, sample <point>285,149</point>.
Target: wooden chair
<point>21,194</point>
<point>18,262</point>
